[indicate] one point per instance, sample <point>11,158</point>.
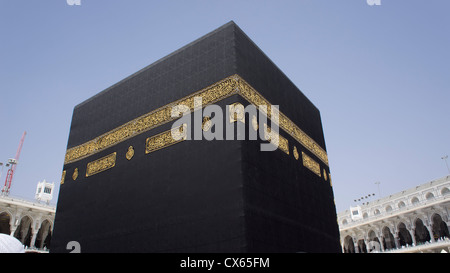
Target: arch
<point>365,215</point>
<point>376,212</point>
<point>439,227</point>
<point>421,232</point>
<point>388,239</point>
<point>404,236</point>
<point>372,235</point>
<point>23,231</point>
<point>349,245</point>
<point>445,191</point>
<point>43,237</point>
<point>429,196</point>
<point>344,222</point>
<point>388,208</point>
<point>373,238</point>
<point>415,200</point>
<point>401,204</point>
<point>5,219</point>
<point>362,246</point>
<point>26,217</point>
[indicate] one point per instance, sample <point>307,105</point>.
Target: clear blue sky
<point>380,75</point>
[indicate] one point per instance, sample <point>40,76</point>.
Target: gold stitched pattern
<point>295,153</point>
<point>255,124</point>
<point>206,123</point>
<point>63,177</point>
<point>101,164</point>
<point>211,94</point>
<point>162,115</point>
<point>75,174</point>
<point>130,153</point>
<point>283,143</point>
<point>237,112</point>
<point>311,164</point>
<point>165,139</point>
<point>250,94</point>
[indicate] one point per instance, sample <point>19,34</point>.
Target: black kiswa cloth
<point>196,195</point>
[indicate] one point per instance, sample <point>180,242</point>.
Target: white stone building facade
<point>30,222</point>
<point>414,220</point>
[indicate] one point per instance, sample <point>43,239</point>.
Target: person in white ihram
<point>9,244</point>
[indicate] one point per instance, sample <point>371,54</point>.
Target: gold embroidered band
<point>150,120</point>
<point>165,139</point>
<point>101,164</point>
<point>211,94</point>
<point>269,135</point>
<point>311,164</point>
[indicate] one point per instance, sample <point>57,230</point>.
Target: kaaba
<point>127,186</point>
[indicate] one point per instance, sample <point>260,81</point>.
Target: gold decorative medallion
<point>296,155</point>
<point>130,153</point>
<point>255,124</point>
<point>206,124</point>
<point>63,177</point>
<point>75,174</point>
<point>311,164</point>
<point>237,112</point>
<point>325,175</point>
<point>101,164</point>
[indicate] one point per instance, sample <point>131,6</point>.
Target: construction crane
<point>13,162</point>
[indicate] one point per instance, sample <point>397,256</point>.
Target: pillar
<point>44,235</point>
<point>412,231</point>
<point>365,242</point>
<point>430,231</point>
<point>13,230</point>
<point>12,226</point>
<point>381,239</point>
<point>33,238</point>
<point>397,241</point>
